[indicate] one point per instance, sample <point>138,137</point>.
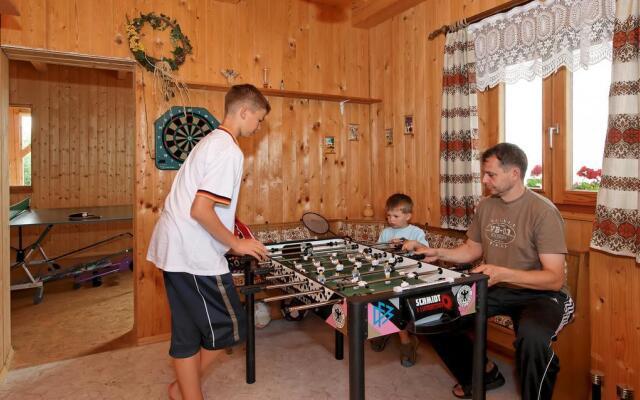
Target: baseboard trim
<point>163,337</point>
<point>5,368</point>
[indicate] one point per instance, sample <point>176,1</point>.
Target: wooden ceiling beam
<point>8,8</point>
<point>369,13</point>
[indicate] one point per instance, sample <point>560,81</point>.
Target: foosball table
<point>366,291</point>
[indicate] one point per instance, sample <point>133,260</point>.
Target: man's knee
<point>533,337</point>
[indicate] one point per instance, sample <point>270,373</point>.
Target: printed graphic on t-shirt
<point>500,232</point>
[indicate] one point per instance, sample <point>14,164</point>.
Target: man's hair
<point>399,200</point>
<point>509,155</point>
<point>245,93</point>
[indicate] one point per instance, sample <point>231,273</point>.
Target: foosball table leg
<point>480,341</point>
<point>357,320</point>
<point>251,328</point>
<point>339,345</point>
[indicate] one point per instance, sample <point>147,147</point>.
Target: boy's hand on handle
<point>250,247</point>
<point>411,245</point>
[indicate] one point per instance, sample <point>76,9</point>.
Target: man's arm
<point>467,252</point>
<point>550,277</point>
<point>203,212</point>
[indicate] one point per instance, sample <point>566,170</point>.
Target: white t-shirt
<point>179,243</point>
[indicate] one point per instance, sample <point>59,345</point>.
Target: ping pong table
<point>21,216</point>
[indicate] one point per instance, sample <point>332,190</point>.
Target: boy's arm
<point>382,235</point>
<point>421,237</point>
<point>203,212</point>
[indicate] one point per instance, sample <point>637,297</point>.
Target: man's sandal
<point>492,380</point>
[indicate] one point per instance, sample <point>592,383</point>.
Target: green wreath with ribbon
<point>181,45</point>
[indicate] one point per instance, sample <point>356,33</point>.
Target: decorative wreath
<point>181,45</point>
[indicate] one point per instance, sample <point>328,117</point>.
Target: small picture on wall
<point>408,124</point>
<point>388,136</point>
<point>354,131</point>
<point>329,145</point>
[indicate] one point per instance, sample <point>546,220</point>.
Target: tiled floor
<point>294,361</point>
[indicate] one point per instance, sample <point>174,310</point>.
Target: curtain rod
<point>478,17</point>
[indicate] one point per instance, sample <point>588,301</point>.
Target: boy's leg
<point>408,349</point>
<point>206,358</point>
<point>404,337</point>
<point>188,375</point>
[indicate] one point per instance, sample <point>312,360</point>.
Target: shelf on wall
<point>290,93</point>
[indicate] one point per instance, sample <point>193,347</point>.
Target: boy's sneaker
<point>378,344</point>
<point>409,353</point>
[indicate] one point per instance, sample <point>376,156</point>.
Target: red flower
<point>582,172</point>
<point>537,170</point>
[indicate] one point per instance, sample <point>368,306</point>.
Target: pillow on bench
<point>281,232</point>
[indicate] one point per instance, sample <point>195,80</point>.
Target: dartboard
<point>177,132</point>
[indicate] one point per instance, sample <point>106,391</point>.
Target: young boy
<point>194,232</point>
<point>399,207</point>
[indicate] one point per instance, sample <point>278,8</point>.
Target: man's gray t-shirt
<point>514,234</point>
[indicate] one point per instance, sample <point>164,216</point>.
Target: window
<point>561,123</point>
<point>523,125</point>
<point>20,146</point>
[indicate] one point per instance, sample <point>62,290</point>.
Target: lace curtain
<point>538,38</point>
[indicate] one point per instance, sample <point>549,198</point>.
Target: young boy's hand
<point>250,247</point>
<point>410,245</point>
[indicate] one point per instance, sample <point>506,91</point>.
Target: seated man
<point>520,236</point>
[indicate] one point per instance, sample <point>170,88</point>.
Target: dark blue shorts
<point>205,313</point>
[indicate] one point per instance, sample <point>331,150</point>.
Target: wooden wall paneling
<point>13,136</point>
<point>388,118</point>
<point>615,312</point>
<point>150,308</point>
<point>400,79</point>
<point>53,128</point>
<point>288,157</point>
<point>206,23</point>
<point>276,163</point>
<point>573,344</point>
<point>94,122</point>
<point>5,298</point>
<point>310,149</point>
<point>578,230</point>
<point>488,124</point>
<point>74,169</point>
<point>420,190</point>
<point>435,53</point>
<point>334,199</point>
